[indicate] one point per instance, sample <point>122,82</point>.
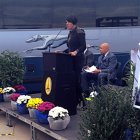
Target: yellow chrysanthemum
<point>1,90</point>
<point>34,102</point>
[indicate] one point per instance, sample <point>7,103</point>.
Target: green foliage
<point>11,69</point>
<point>129,74</point>
<point>109,114</point>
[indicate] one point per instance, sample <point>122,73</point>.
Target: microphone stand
<point>55,38</point>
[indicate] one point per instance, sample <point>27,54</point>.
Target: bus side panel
<point>33,74</point>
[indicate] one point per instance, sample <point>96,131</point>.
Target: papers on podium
<point>91,69</point>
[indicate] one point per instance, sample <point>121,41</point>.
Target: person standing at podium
<point>76,43</point>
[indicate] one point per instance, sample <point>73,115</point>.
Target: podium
<point>59,84</point>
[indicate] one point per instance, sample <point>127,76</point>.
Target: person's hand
<point>96,71</point>
<point>74,53</point>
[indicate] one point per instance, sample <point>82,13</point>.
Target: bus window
<point>40,14</point>
<point>116,21</point>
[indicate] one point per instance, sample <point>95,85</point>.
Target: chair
<point>114,80</point>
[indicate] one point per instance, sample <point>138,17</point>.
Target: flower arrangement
<point>23,99</point>
<point>58,113</point>
<point>45,106</point>
<point>20,89</point>
<point>1,95</point>
<point>0,90</point>
<point>14,96</point>
<point>8,90</point>
<point>34,103</point>
<point>92,95</point>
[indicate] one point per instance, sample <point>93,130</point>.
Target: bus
<point>114,21</point>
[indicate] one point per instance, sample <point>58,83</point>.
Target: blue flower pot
<point>41,117</point>
<point>22,109</point>
<point>1,98</point>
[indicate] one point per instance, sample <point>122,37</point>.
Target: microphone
<point>57,36</point>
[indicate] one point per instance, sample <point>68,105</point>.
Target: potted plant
<point>11,68</point>
<point>58,118</point>
<point>1,95</point>
<point>20,89</point>
<point>21,104</point>
<point>42,111</point>
<point>7,92</point>
<point>14,98</point>
<point>32,105</point>
<point>110,115</point>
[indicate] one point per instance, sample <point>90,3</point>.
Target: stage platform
<point>70,133</point>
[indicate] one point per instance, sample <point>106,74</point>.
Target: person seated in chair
<point>105,69</point>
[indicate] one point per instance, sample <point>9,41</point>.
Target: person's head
<point>104,48</point>
<point>71,22</point>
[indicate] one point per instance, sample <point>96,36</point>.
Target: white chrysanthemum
<point>58,112</point>
<point>8,90</point>
<point>93,94</point>
<point>23,99</point>
<point>89,133</point>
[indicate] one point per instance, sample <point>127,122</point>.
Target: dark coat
<point>76,40</point>
<point>108,64</point>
